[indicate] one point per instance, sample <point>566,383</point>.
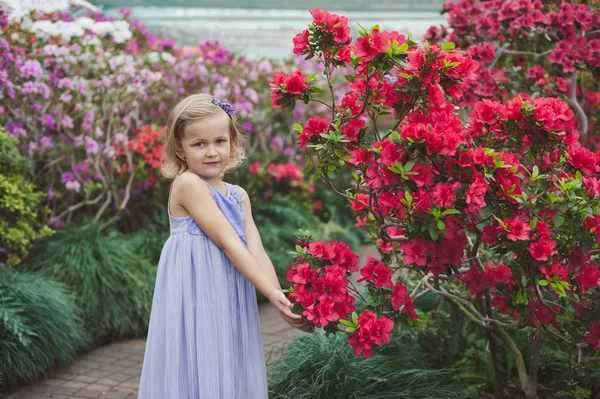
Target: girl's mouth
<point>212,163</point>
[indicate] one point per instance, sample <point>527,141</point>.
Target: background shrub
<point>39,327</point>
<point>19,204</point>
<point>315,366</point>
<point>112,283</point>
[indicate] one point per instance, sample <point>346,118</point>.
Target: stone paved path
<point>113,371</point>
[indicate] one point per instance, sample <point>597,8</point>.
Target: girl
<point>204,338</point>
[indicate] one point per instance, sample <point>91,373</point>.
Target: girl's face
<point>207,146</point>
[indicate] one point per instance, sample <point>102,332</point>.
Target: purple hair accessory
<point>224,104</point>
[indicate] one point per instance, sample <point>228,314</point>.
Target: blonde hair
<point>191,109</point>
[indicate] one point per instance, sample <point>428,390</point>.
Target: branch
<point>517,52</point>
<point>322,102</point>
<point>573,101</point>
<point>505,50</point>
<point>79,205</point>
<point>486,321</point>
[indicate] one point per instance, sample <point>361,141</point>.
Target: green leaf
<point>298,127</point>
<point>440,225</point>
<point>450,212</point>
<point>347,323</point>
<point>559,220</point>
<point>433,232</point>
<point>354,318</point>
<point>523,280</point>
<point>543,283</point>
<point>448,46</point>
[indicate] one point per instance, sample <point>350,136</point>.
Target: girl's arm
<point>192,193</point>
<point>258,251</point>
<point>254,242</point>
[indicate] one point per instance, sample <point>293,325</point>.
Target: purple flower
<point>78,140</point>
<point>67,122</point>
<point>46,142</point>
<point>277,142</point>
<point>66,82</point>
<point>92,146</point>
<point>31,68</point>
<point>247,126</point>
<point>67,177</point>
<point>50,194</point>
<point>15,130</point>
<point>49,121</point>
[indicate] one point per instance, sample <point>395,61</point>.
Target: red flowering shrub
<point>530,48</point>
<point>506,205</point>
<point>145,150</point>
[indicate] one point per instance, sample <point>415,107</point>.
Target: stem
<point>519,361</point>
<point>534,361</point>
<point>575,104</point>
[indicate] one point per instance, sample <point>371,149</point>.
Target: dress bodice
<point>231,205</point>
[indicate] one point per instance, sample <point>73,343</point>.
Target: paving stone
<point>119,377</point>
<point>85,378</point>
<point>97,387</point>
<point>75,384</point>
<point>107,382</point>
<point>89,393</point>
<point>99,373</point>
<point>116,395</point>
<point>125,363</point>
<point>63,390</point>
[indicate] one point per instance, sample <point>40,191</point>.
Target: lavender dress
<point>204,339</point>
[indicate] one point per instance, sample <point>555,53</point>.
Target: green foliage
<point>278,222</point>
<point>39,327</point>
<point>315,366</point>
<point>148,241</point>
<point>447,339</point>
<point>19,204</point>
<point>112,283</point>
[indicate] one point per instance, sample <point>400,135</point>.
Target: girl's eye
<point>221,141</point>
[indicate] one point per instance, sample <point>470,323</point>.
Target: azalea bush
<point>530,48</point>
<point>498,215</point>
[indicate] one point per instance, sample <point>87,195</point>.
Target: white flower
<point>168,57</point>
<point>153,57</point>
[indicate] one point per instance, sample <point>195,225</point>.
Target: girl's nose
<point>211,151</point>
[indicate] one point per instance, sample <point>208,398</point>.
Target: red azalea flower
<point>416,252</point>
<point>516,229</point>
<point>370,332</point>
<point>542,249</point>
<point>593,336</point>
<point>301,42</point>
<point>399,297</point>
<point>377,272</point>
<point>296,83</point>
<point>352,128</point>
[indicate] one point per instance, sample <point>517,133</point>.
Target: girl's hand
<point>284,306</point>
